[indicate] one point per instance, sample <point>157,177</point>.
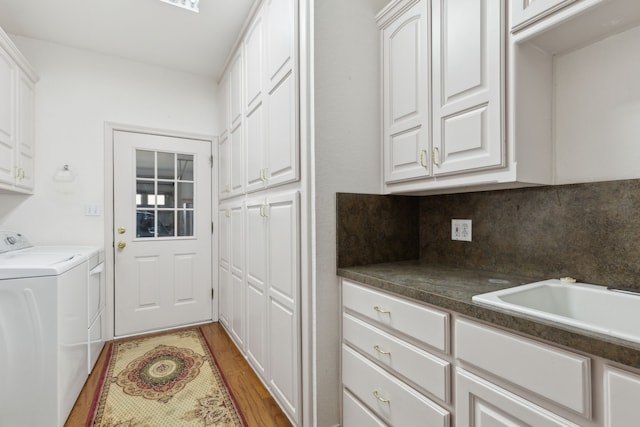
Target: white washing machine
<point>43,331</point>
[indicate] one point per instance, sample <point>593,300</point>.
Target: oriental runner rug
<point>163,380</point>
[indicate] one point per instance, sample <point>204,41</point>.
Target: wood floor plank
<point>253,399</point>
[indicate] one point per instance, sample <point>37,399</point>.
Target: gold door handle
<point>122,230</point>
<point>381,310</point>
<point>380,398</point>
<point>379,350</point>
<point>121,244</point>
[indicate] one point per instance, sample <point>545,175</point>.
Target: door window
<point>164,194</point>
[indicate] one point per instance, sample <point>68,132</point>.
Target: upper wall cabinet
<point>268,100</point>
<point>17,119</point>
<point>453,134</point>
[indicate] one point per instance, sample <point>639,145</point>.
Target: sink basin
<point>590,307</point>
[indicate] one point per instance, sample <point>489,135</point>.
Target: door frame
<point>109,226</point>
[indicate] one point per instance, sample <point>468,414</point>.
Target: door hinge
<point>212,293</point>
<point>211,227</point>
<point>211,161</point>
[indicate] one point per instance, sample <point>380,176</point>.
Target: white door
<point>162,235</point>
<point>406,95</point>
<point>467,85</point>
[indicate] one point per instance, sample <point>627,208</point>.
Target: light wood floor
<point>254,401</point>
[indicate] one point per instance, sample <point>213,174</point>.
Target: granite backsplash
<point>588,231</point>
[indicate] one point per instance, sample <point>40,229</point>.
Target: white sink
<point>590,307</point>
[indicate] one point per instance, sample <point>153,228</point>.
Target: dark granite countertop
<point>453,288</point>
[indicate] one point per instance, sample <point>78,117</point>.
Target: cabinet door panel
<point>283,247</point>
<point>254,70</point>
<point>224,273</point>
<point>280,40</point>
<point>405,95</point>
<point>224,167</point>
<point>467,85</point>
<point>235,91</point>
<point>255,148</point>
<point>237,158</point>
<point>480,403</point>
<point>256,327</point>
<point>283,355</point>
<point>282,155</point>
<point>25,136</point>
<point>7,118</point>
<point>621,397</point>
<point>225,302</point>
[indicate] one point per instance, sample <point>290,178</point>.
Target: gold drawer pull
<point>377,348</point>
<point>380,398</point>
<point>381,310</point>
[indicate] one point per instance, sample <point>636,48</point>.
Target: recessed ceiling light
<point>191,5</point>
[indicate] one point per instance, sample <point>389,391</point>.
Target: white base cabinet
<point>17,119</point>
<point>396,372</point>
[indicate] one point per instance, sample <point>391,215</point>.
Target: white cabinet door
<point>224,167</point>
<point>480,403</point>
<point>406,53</point>
<point>25,142</point>
<point>8,73</point>
<point>621,398</point>
<point>283,300</point>
<point>224,262</point>
<point>236,150</point>
<point>467,85</point>
<point>281,40</point>
<point>235,90</point>
<point>255,105</point>
<point>523,12</point>
<point>281,156</point>
<point>256,249</point>
<point>236,258</point>
<point>223,99</point>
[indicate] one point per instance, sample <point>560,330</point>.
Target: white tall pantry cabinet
<point>259,214</point>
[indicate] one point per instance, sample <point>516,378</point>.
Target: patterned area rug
<point>164,380</point>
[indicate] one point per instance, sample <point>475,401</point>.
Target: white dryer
<point>43,332</point>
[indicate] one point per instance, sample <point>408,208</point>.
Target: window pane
<point>145,224</point>
<point>185,195</point>
<point>166,166</point>
<point>165,223</point>
<point>165,197</point>
<point>145,194</point>
<point>145,164</point>
<point>185,223</point>
<point>185,167</point>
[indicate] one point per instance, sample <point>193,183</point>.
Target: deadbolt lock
<point>122,230</point>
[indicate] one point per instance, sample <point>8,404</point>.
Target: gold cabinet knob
<point>122,230</point>
<point>121,244</point>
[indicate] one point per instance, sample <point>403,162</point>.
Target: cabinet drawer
<point>391,399</point>
<point>557,375</point>
<point>425,370</point>
<point>417,321</point>
<point>355,414</point>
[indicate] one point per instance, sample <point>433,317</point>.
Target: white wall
<point>77,93</point>
<point>347,159</point>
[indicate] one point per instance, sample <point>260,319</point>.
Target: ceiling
<point>143,30</point>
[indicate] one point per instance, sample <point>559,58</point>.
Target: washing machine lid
<point>19,265</point>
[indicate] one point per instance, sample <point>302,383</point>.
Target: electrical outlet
<point>461,229</point>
